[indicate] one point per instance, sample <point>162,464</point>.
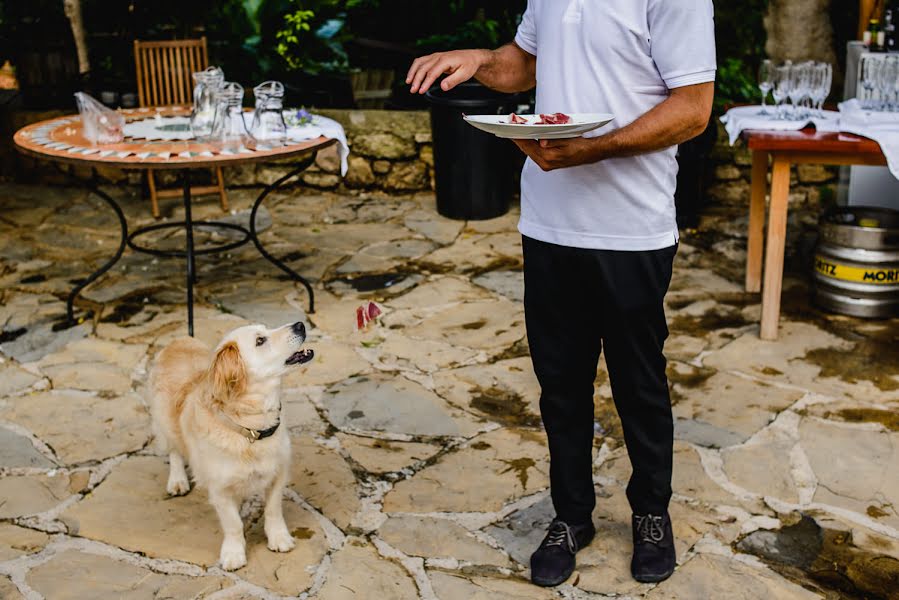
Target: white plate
<point>499,126</point>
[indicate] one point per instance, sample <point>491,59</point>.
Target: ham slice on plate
<point>554,119</point>
<point>515,119</point>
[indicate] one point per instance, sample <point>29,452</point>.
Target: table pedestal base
<point>190,252</point>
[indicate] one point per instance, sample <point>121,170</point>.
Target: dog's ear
<point>228,374</point>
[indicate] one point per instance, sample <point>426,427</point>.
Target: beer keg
<point>857,262</point>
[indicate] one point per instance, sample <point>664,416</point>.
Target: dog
<point>221,412</point>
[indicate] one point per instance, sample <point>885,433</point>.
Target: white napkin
<point>320,126</point>
<point>882,127</point>
<point>737,120</point>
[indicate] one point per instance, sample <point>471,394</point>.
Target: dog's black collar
<point>252,435</point>
<point>261,434</point>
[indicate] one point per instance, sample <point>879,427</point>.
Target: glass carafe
<point>229,130</point>
<point>207,83</point>
<point>268,126</point>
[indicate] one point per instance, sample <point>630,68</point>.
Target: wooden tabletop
<point>810,140</point>
<point>61,139</point>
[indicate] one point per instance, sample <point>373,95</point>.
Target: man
<point>600,234</point>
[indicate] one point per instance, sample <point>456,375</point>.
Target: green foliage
<point>740,34</point>
<point>313,34</point>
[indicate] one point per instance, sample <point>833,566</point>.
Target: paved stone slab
<point>395,405</point>
<point>15,380</point>
<point>358,572</point>
<point>789,361</point>
<point>18,451</point>
<point>17,541</point>
<point>383,456</point>
<point>433,226</point>
<point>762,468</point>
<point>711,576</point>
<point>508,464</point>
<point>854,467</point>
<point>300,413</point>
<point>8,590</point>
<point>733,404</point>
<point>477,253</point>
<point>268,301</point>
<point>391,351</point>
<point>324,479</point>
<point>506,283</point>
<point>131,510</point>
<point>73,575</point>
<point>452,586</point>
<point>334,361</point>
<point>385,256</point>
<point>438,538</point>
<point>691,480</point>
<point>439,291</point>
<point>81,427</point>
<point>506,391</point>
<point>25,495</point>
<point>492,326</point>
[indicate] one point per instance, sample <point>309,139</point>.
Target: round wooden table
<point>61,140</point>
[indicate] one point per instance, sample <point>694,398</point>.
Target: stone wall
<point>810,185</point>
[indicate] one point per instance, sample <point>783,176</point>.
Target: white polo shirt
<point>619,57</point>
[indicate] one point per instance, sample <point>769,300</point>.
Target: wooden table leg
<point>755,245</point>
<point>774,252</point>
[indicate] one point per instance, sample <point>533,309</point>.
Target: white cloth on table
<point>320,126</point>
<point>882,127</point>
<point>743,118</point>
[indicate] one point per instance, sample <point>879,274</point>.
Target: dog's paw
<point>178,487</point>
<point>232,557</point>
<point>280,541</point>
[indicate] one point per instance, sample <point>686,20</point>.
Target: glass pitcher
<point>229,131</point>
<point>207,83</point>
<point>268,125</point>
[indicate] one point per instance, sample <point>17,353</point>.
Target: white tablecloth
<point>320,126</point>
<point>882,127</point>
<point>737,120</point>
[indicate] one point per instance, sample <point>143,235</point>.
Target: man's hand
<point>460,65</point>
<point>560,154</point>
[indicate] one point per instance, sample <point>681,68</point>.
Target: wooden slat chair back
<point>164,78</point>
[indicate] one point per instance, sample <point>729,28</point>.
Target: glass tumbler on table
<point>766,84</point>
<point>268,125</point>
<point>229,130</point>
<point>207,83</point>
<point>781,91</point>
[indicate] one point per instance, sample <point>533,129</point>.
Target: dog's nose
<point>299,328</point>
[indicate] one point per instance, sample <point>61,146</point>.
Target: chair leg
<point>154,200</point>
<point>223,195</point>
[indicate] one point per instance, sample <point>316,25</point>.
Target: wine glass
<point>766,83</point>
<point>781,91</point>
<point>870,68</point>
<point>799,75</point>
<point>886,75</point>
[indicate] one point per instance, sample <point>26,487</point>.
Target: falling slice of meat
<point>367,314</point>
<point>516,120</point>
<point>554,119</point>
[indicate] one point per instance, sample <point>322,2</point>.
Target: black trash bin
<point>474,171</point>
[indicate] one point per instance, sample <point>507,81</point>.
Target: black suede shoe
<point>553,562</point>
<point>654,557</point>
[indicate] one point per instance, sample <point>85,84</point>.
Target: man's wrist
<point>485,59</point>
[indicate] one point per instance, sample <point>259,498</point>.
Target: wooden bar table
<point>61,140</point>
<point>783,149</point>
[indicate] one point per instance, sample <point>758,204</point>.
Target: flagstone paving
<point>419,465</point>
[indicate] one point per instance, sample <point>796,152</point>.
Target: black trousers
<point>577,301</point>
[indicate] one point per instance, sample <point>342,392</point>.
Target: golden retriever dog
<point>221,412</point>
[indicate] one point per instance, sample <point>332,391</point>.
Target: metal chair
<point>164,78</point>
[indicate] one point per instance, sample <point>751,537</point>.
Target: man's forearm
<point>507,69</point>
<point>681,117</point>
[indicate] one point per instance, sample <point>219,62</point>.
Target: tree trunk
<point>800,30</point>
<point>73,12</point>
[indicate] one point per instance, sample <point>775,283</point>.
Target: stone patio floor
<point>419,467</point>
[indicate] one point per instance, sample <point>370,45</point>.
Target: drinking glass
<point>781,91</point>
<point>766,83</point>
<point>870,69</point>
<point>799,75</point>
<point>886,76</point>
